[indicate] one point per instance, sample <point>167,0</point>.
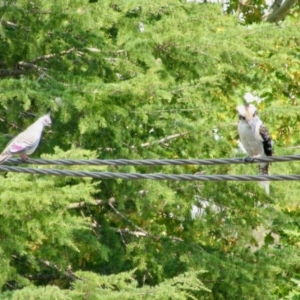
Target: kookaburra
<point>255,138</point>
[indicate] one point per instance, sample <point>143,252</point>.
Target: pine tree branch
<point>11,72</point>
<point>278,10</point>
<point>110,203</point>
<point>120,231</point>
<point>159,142</point>
<point>13,25</point>
<point>9,24</point>
<point>97,201</point>
<point>30,66</point>
<point>135,233</point>
<point>50,265</point>
<point>92,49</point>
<point>141,231</point>
<point>163,140</point>
<point>108,149</point>
<point>84,204</point>
<point>94,224</point>
<point>24,66</point>
<point>47,56</point>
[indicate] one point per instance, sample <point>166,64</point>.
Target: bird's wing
<point>18,147</point>
<point>262,134</point>
<point>21,143</point>
<point>266,140</point>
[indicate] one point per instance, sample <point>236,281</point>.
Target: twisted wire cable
<point>155,162</point>
<point>157,176</point>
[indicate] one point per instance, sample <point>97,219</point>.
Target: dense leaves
<point>136,80</point>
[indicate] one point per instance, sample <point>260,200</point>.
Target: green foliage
<point>31,292</point>
<point>118,92</point>
<point>122,285</point>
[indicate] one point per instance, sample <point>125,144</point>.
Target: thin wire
<point>155,162</point>
<point>136,176</point>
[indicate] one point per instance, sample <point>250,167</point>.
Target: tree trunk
<point>278,10</point>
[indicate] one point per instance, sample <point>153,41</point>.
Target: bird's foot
<point>248,159</point>
<point>24,157</point>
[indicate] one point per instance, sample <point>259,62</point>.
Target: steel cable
<point>155,162</point>
<point>156,176</point>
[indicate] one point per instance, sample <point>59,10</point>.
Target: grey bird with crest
<point>26,142</point>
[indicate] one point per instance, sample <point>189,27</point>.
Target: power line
<point>155,162</point>
<point>157,176</point>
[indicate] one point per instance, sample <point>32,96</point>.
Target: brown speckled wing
<point>267,140</point>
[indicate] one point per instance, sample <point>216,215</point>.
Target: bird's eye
<point>241,117</point>
<point>255,114</point>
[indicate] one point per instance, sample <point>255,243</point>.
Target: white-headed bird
<point>255,138</point>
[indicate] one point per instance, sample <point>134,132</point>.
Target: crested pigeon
<point>26,142</point>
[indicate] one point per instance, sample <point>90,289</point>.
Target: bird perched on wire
<point>27,141</point>
<point>255,139</point>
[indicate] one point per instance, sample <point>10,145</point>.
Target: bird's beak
<point>252,123</point>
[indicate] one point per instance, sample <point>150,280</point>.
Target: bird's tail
<point>263,169</point>
<point>4,157</point>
